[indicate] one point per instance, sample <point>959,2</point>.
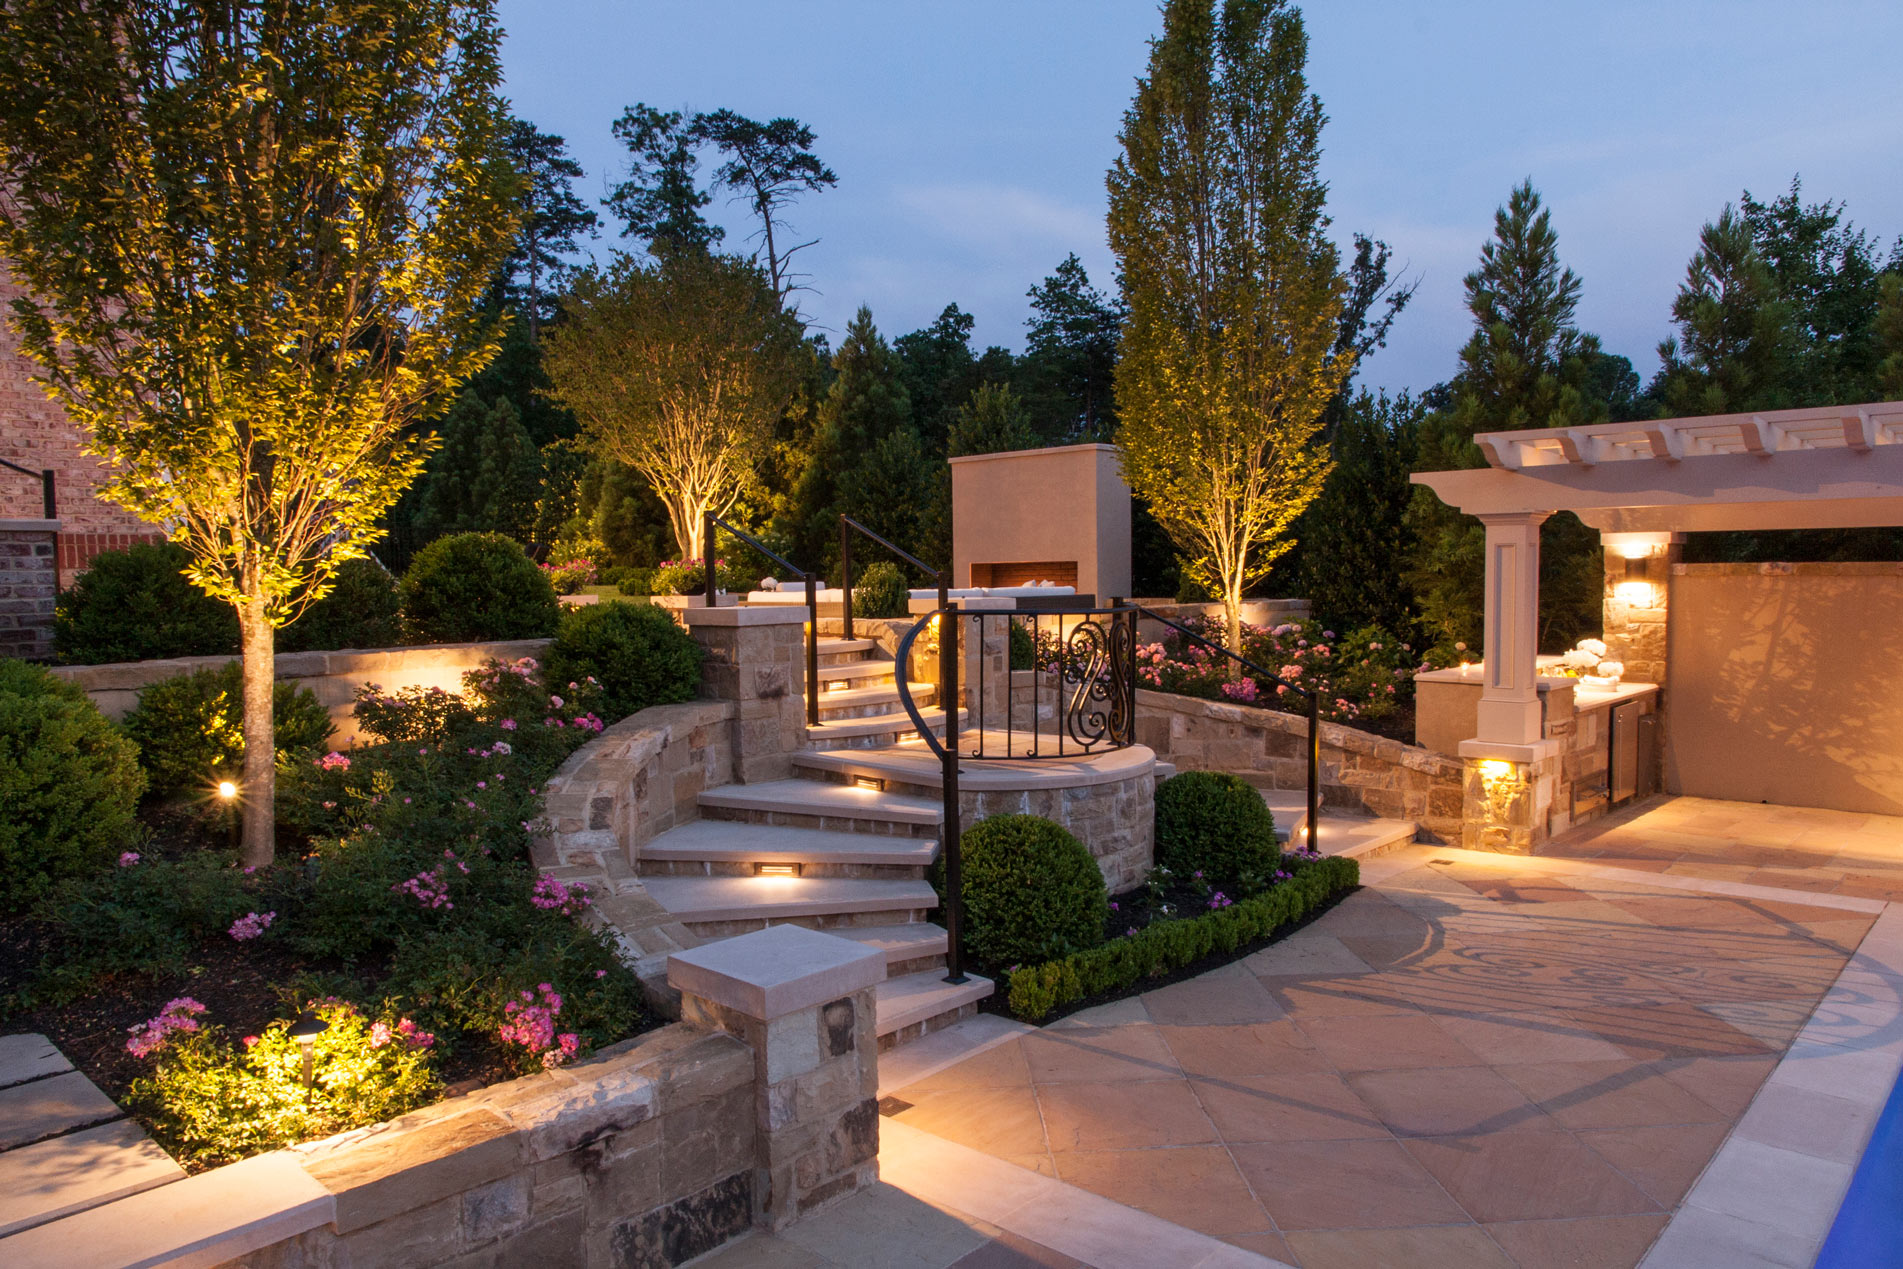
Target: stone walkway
<point>1477,1060</point>
<point>1793,847</point>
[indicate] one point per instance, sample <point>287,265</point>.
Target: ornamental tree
<point>1229,352</point>
<point>255,233</point>
<point>678,366</point>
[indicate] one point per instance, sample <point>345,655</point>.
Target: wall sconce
<point>1496,769</point>
<point>1637,586</point>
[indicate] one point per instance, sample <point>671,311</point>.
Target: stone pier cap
<point>776,971</point>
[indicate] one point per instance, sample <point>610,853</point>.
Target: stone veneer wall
<point>1115,820</point>
<point>333,677</point>
<point>1360,772</point>
<point>28,585</point>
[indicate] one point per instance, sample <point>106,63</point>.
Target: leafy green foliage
<point>190,728</point>
<point>1355,537</point>
<point>1216,824</point>
<point>1032,891</point>
<point>137,605</point>
<point>487,477</point>
<point>1037,991</point>
<point>362,610</point>
<point>880,591</point>
<point>689,577</point>
<point>473,586</point>
<point>211,1102</point>
<point>993,421</point>
<point>69,782</point>
<point>1068,372</point>
<point>1234,288</point>
<point>637,653</point>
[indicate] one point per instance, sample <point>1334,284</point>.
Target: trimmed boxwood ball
<point>474,586</point>
<point>1216,824</point>
<point>1032,892</point>
<point>136,605</point>
<point>69,784</point>
<point>361,611</point>
<point>637,653</point>
<point>881,591</point>
<point>190,729</point>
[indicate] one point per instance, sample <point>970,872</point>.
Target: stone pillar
<point>1509,711</point>
<point>804,1002</point>
<point>28,586</point>
<point>1638,600</point>
<point>756,658</point>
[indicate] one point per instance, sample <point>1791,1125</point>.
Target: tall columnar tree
<point>554,221</point>
<point>677,366</point>
<point>1358,536</point>
<point>256,235</point>
<point>1233,288</point>
<point>1068,372</point>
<point>660,200</point>
<point>1735,339</point>
<point>1527,365</point>
<point>767,166</point>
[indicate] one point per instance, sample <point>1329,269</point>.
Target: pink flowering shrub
<point>251,925</point>
<point>1363,676</point>
<point>552,895</point>
<point>179,1017</point>
<point>529,1022</point>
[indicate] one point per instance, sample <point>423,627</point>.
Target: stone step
<point>883,728</point>
<point>862,702</point>
<point>913,1002</point>
<point>912,767</point>
<point>703,899</point>
<point>802,803</point>
<point>733,842</point>
<point>1356,836</point>
<point>841,647</point>
<point>869,673</point>
<point>910,941</point>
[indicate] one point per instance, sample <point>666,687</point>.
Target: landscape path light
<point>305,1031</point>
<point>228,795</point>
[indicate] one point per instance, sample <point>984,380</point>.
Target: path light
<point>227,791</point>
<point>228,795</point>
<point>305,1031</point>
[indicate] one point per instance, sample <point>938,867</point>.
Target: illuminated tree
<point>1234,291</point>
<point>678,366</point>
<point>254,232</point>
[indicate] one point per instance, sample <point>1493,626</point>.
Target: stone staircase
<point>839,856</point>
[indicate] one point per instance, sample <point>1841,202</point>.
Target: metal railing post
<point>1314,771</point>
<point>812,650</point>
<point>707,553</point>
<point>47,501</point>
<point>948,622</point>
<point>845,566</point>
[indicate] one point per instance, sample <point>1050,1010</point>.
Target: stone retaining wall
<point>1362,773</point>
<point>333,677</point>
<point>29,581</point>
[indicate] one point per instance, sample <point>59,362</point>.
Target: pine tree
<point>1068,373</point>
<point>1734,346</point>
<point>939,371</point>
<point>554,220</point>
<point>660,201</point>
<point>1234,289</point>
<point>488,474</point>
<point>1526,366</point>
<point>992,421</point>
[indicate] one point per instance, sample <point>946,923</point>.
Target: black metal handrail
<point>709,525</point>
<point>1090,659</point>
<point>949,831</point>
<point>1314,716</point>
<point>45,477</point>
<point>847,527</point>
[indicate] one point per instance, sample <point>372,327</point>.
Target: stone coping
<point>1816,568</point>
<point>769,615</point>
<point>131,675</point>
<point>776,971</point>
<point>1349,739</point>
<point>914,763</point>
<point>30,526</point>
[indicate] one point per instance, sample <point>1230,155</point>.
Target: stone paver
<point>46,1108</point>
<point>29,1057</point>
<point>1475,1060</point>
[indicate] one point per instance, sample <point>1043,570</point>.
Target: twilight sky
<point>971,138</point>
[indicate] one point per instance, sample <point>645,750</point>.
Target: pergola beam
<point>1760,436</point>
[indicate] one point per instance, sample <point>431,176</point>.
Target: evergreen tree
<point>1526,366</point>
<point>939,371</point>
<point>992,421</point>
<point>768,166</point>
<point>554,220</point>
<point>660,201</point>
<point>1735,341</point>
<point>1068,372</point>
<point>1890,338</point>
<point>614,503</point>
<point>1233,287</point>
<point>1368,312</point>
<point>488,474</point>
<point>1358,537</point>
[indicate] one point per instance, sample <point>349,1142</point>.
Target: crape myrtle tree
<point>256,234</point>
<point>1233,289</point>
<point>678,366</point>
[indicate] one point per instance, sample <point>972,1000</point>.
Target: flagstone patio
<point>1476,1060</point>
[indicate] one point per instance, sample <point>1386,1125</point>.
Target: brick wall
<point>27,587</point>
<point>35,433</point>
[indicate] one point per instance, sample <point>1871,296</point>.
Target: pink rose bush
<point>1361,676</point>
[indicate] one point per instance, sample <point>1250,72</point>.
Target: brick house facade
<point>36,433</point>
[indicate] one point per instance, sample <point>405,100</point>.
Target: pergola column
<point>1509,712</point>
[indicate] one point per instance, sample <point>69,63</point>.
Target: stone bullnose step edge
<point>914,998</point>
<point>884,694</point>
<point>815,798</point>
<point>731,841</point>
<point>704,899</point>
<point>895,724</point>
<point>913,763</point>
<point>1353,836</point>
<point>836,647</point>
<point>844,671</point>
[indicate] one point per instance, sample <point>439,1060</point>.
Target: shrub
<point>211,1102</point>
<point>69,783</point>
<point>1032,891</point>
<point>637,654</point>
<point>190,727</point>
<point>361,611</point>
<point>136,605</point>
<point>881,591</point>
<point>635,581</point>
<point>689,577</point>
<point>1037,991</point>
<point>474,586</point>
<point>1216,824</point>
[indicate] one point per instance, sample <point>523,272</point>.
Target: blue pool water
<point>1868,1231</point>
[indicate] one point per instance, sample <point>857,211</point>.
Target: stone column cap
<point>776,971</point>
<point>1538,751</point>
<point>766,615</point>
